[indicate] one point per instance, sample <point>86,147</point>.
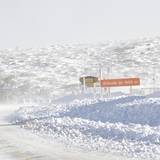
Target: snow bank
<point>128,126</point>
<point>154,94</point>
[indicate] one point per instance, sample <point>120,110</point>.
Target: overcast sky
<point>42,23</point>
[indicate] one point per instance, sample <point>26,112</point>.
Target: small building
<point>90,81</point>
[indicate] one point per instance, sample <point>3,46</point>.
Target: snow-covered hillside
<point>52,72</point>
<point>124,126</point>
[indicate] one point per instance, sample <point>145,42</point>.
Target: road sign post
<point>7,89</point>
<point>120,82</point>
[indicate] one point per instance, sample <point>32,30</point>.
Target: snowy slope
<point>52,72</point>
<point>126,126</point>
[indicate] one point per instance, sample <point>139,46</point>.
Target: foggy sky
<point>41,23</point>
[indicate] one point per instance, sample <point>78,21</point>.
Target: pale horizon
<point>42,23</point>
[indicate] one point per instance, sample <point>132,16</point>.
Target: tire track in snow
<point>15,153</point>
<point>10,150</point>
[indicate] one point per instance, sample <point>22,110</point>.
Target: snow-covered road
<point>21,144</point>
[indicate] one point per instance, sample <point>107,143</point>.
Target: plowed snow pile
<point>129,125</point>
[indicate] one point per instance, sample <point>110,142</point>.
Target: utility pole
<point>154,80</point>
<point>84,84</point>
<point>108,76</point>
<point>100,75</point>
<point>154,83</point>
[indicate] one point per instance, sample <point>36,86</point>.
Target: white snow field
<point>17,143</point>
<point>49,118</point>
<point>127,126</point>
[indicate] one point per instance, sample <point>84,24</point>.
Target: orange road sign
<point>120,82</point>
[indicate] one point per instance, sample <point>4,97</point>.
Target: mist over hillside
<point>52,72</point>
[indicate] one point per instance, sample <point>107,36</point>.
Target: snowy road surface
<point>20,144</point>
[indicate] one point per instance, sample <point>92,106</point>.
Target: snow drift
<point>127,125</point>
